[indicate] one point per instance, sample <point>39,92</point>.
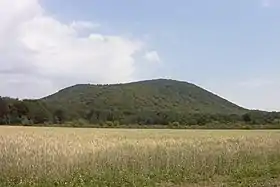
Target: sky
<point>231,48</point>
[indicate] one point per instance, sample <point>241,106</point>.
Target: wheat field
<point>117,157</point>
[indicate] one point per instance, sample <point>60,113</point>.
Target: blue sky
<point>228,47</point>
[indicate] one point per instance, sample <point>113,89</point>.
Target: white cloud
<point>152,56</point>
<point>44,54</point>
<point>84,25</point>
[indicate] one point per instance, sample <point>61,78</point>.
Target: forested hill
<point>154,95</point>
<point>154,102</point>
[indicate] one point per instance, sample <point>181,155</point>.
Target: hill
<point>153,102</point>
<point>152,95</point>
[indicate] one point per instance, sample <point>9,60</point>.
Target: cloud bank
<point>39,54</point>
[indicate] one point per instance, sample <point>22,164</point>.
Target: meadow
<point>49,157</point>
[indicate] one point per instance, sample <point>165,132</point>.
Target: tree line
<point>27,112</point>
<point>36,112</point>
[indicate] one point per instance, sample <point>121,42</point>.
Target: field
<point>116,157</point>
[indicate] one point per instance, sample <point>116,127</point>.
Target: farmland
<point>117,157</point>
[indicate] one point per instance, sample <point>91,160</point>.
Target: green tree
<point>246,118</point>
<point>20,108</point>
<point>38,113</point>
<point>4,111</point>
<point>59,116</point>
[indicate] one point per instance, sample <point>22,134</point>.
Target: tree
<point>40,116</point>
<point>4,111</point>
<point>21,109</point>
<point>246,118</point>
<point>37,111</point>
<point>59,116</point>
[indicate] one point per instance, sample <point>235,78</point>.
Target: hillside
<point>152,95</point>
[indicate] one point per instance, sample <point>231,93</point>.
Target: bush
<point>175,124</point>
<point>109,123</point>
<point>26,122</point>
<point>116,123</point>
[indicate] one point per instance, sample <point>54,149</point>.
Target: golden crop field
<point>118,157</point>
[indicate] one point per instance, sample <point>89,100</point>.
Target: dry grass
<point>107,157</point>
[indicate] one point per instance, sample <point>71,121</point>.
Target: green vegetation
<point>150,104</point>
<point>154,95</point>
<point>46,157</point>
